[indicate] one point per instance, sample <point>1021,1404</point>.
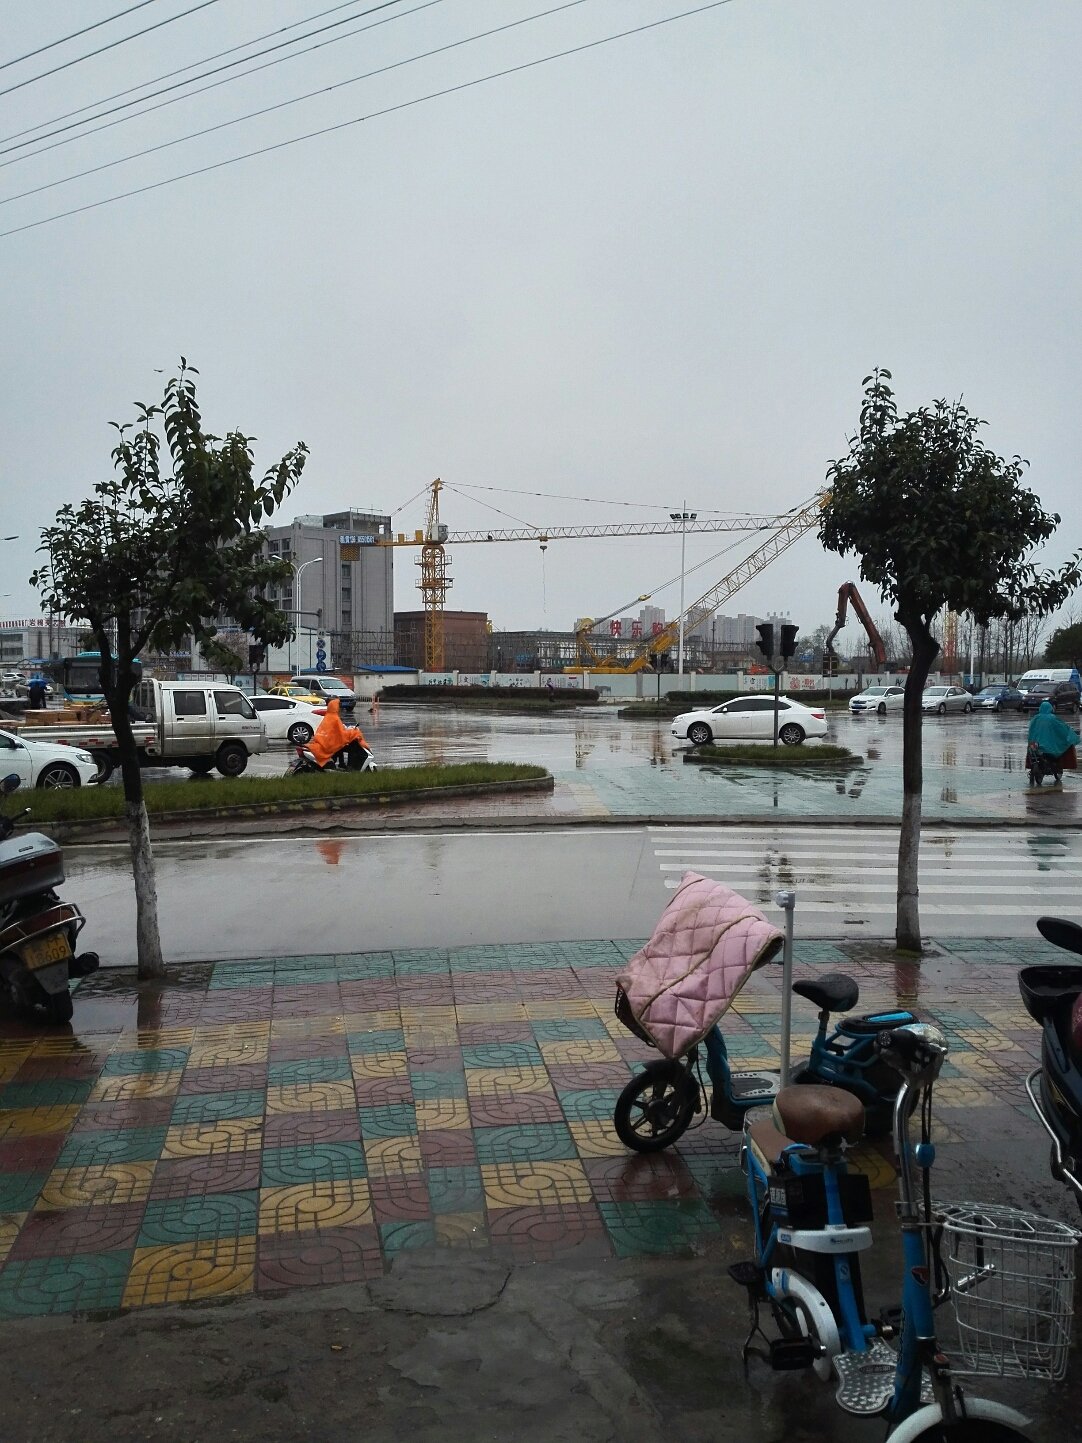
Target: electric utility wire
<point>111,46</point>
<point>360,119</point>
<point>192,80</point>
<point>168,75</point>
<point>593,500</point>
<point>296,100</point>
<point>76,33</point>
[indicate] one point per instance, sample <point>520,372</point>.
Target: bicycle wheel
<point>655,1107</point>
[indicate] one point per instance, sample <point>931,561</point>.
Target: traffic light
<point>788,639</point>
<point>257,654</point>
<point>766,639</point>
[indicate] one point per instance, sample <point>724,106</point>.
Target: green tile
<point>570,1029</point>
<point>200,1219</point>
<point>364,969</point>
<point>437,1084</point>
<point>524,1142</point>
<point>649,1228</point>
<point>81,1282</point>
<point>309,1069</point>
<point>389,1040</point>
<point>312,1162</point>
<point>130,1144</point>
<point>502,1054</point>
<point>396,1120</point>
<point>396,1237</point>
<point>421,966</point>
<point>456,1189</point>
<point>231,977</point>
<point>166,1059</point>
<point>306,977</point>
<point>19,1190</point>
<point>591,1105</point>
<point>58,1091</point>
<point>207,1106</point>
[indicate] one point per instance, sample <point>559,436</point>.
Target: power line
<point>284,104</point>
<point>103,48</point>
<point>371,115</point>
<point>180,84</point>
<point>29,55</point>
<point>593,500</point>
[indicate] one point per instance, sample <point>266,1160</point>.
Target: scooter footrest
<point>747,1274</point>
<point>866,1380</point>
<point>789,1354</point>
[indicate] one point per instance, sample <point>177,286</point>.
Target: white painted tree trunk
<point>147,939</point>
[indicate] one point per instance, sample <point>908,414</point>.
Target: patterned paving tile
<point>130,1144</point>
<point>526,1142</point>
<point>536,1234</point>
<point>324,1256</point>
<point>525,1184</point>
<point>10,1223</point>
<point>218,1172</point>
<point>221,1136</point>
<point>99,1184</point>
<point>185,1272</point>
<point>330,1203</point>
<point>397,1237</point>
<point>296,1129</point>
<point>33,1287</point>
<point>637,1228</point>
<point>309,1097</point>
<point>32,1121</point>
<point>314,1161</point>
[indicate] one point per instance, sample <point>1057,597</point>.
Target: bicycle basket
<point>1012,1289</point>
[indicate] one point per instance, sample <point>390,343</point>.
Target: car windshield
<point>937,691</point>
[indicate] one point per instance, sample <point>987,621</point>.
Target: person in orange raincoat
<point>333,736</point>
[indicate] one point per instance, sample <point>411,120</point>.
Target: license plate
<point>44,951</point>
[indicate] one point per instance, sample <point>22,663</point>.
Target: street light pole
<point>297,608</point>
<point>683,516</point>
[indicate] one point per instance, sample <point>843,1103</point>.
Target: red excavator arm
<point>847,593</point>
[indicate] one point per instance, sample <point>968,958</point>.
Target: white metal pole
<point>787,902</point>
<point>683,544</point>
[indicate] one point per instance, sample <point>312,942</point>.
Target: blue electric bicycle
<point>1010,1275</point>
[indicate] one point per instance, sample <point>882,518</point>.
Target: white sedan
<point>879,699</point>
<point>285,719</point>
<point>750,718</point>
<point>45,764</point>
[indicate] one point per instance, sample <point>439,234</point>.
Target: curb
<point>786,761</point>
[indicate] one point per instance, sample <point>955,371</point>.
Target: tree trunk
<point>925,649</point>
<point>147,939</point>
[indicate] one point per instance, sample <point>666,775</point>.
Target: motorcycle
<point>1052,994</point>
<point>354,758</point>
<point>37,930</point>
<point>1040,765</point>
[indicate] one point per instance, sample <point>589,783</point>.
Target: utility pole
<point>683,516</point>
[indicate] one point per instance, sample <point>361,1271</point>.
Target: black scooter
<point>37,930</point>
<point>354,758</point>
<point>1052,993</point>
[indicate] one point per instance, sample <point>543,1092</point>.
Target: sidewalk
<point>276,1135</point>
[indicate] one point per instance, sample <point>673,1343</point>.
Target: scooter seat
<point>816,1115</point>
<point>767,1144</point>
<point>833,993</point>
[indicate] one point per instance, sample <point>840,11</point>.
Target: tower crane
<point>435,579</point>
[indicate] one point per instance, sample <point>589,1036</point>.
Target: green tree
<point>937,520</point>
<point>1065,645</point>
<point>155,555</point>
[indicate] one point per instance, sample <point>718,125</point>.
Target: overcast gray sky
<point>653,271</point>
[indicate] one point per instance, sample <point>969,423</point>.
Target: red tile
<point>240,1078</point>
<point>640,1178</point>
<point>436,1059</point>
<point>327,1255</point>
<point>300,1049</point>
<point>399,1198</point>
<point>526,1107</point>
<point>379,1091</point>
<point>578,1076</point>
<point>192,1176</point>
<point>472,1033</point>
<point>294,1129</point>
<point>64,1231</point>
<point>536,1234</point>
<point>139,1112</point>
<point>451,1147</point>
<point>31,1154</point>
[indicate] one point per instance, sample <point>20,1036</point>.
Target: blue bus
<point>80,676</point>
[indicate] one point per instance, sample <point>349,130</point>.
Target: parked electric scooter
<point>37,930</point>
<point>1052,993</point>
<point>660,1102</point>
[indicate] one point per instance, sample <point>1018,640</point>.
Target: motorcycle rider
<point>1053,737</point>
<point>334,741</point>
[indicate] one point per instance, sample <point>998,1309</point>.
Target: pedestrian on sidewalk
<point>36,695</point>
<point>1053,737</point>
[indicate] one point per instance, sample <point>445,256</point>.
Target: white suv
<point>326,685</point>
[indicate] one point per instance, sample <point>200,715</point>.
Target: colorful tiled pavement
<point>268,1125</point>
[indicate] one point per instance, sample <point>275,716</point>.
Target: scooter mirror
<point>1061,933</point>
<point>9,784</point>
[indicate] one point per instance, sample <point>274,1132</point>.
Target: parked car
<point>286,718</point>
<point>750,718</point>
<point>998,698</point>
<point>1062,694</point>
<point>879,699</point>
<point>943,699</point>
<point>298,693</point>
<point>325,686</point>
<point>45,764</point>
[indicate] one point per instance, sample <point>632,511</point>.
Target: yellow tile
<point>216,1138</point>
<point>113,1182</point>
<point>372,1021</point>
<point>153,1038</point>
<point>870,1162</point>
<point>10,1062</point>
<point>461,1230</point>
<point>329,1203</point>
<point>379,1064</point>
<point>231,1052</point>
<point>986,1040</point>
<point>434,1113</point>
<point>580,1049</point>
<point>227,1031</point>
<point>24,1047</point>
<point>491,1012</point>
<point>311,1097</point>
<point>506,1081</point>
<point>428,1016</point>
<point>326,1025</point>
<point>960,1092</point>
<point>37,1121</point>
<point>596,1139</point>
<point>127,1087</point>
<point>10,1223</point>
<point>57,1046</point>
<point>534,1184</point>
<point>554,1008</point>
<point>423,1039</point>
<point>393,1157</point>
<point>180,1272</point>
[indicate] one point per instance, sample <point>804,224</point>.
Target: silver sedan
<point>942,699</point>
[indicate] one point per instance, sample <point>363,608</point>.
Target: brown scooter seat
<point>817,1115</point>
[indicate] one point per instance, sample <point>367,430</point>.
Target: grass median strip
<point>769,756</point>
<point>207,793</point>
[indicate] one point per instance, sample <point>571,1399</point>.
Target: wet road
<point>274,897</point>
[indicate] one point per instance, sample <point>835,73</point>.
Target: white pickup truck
<point>198,725</point>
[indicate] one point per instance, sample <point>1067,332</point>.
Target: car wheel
<point>699,733</point>
<point>968,707</point>
<point>882,708</point>
<point>791,734</point>
<point>232,759</point>
<point>941,709</point>
<point>300,734</point>
<point>58,774</point>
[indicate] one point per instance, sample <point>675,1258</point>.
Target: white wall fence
<point>643,686</point>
